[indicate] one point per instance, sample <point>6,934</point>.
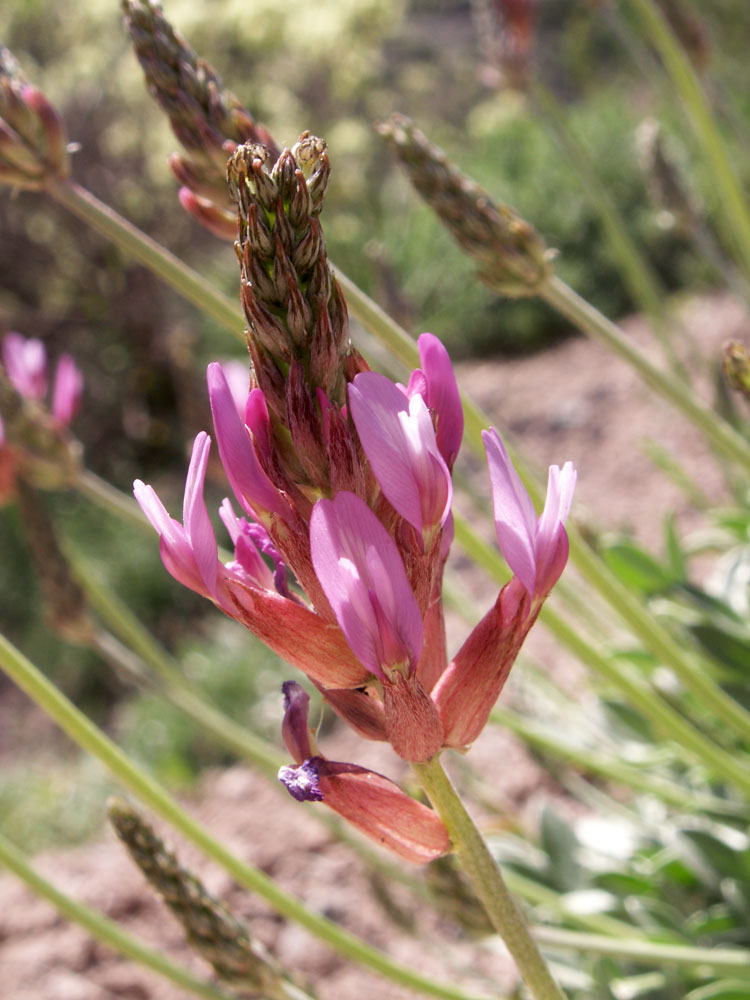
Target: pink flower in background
<point>25,361</point>
<point>369,801</point>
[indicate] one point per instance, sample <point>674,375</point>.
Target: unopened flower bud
<point>737,367</point>
<point>33,144</point>
<point>292,303</point>
<point>207,119</point>
<point>212,930</point>
<point>513,259</point>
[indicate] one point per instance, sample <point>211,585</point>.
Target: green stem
<point>732,202</point>
<point>90,738</point>
<point>109,498</point>
<point>608,767</point>
<point>669,723</point>
<point>733,961</point>
<point>103,929</point>
<point>724,438</point>
<point>175,272</point>
<point>640,279</point>
<point>488,883</point>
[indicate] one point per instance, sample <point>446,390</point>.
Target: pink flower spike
<point>363,577</point>
<point>441,396</point>
<point>399,440</point>
<point>515,520</point>
<point>25,361</point>
<point>251,485</point>
<point>66,390</point>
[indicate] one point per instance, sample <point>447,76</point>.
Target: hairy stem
<point>488,883</point>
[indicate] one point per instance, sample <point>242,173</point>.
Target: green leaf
<point>560,844</point>
<point>637,569</point>
<point>724,989</point>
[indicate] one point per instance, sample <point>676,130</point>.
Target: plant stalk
<point>109,932</point>
<point>732,201</point>
<point>488,883</point>
<point>91,739</point>
<point>720,961</point>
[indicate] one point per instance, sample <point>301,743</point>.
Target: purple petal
<point>515,520</point>
<point>248,557</point>
<point>399,440</point>
<point>302,782</point>
<point>295,730</point>
<point>442,396</point>
<point>363,577</point>
<point>67,390</point>
<point>251,485</point>
<point>26,364</point>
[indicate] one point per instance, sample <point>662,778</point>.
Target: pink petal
<point>67,390</point>
<point>25,361</point>
<point>363,577</point>
<point>251,485</point>
<point>399,440</point>
<point>195,516</point>
<point>515,520</point>
<point>442,396</point>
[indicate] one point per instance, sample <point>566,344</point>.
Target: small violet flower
<point>367,800</point>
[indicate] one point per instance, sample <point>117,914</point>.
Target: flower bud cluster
<point>513,259</point>
<point>33,145</point>
<point>207,119</point>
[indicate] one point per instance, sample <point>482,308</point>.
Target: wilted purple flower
<point>367,800</point>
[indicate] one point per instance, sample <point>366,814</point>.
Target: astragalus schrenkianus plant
<point>340,528</point>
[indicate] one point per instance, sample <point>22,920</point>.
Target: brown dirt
<point>575,402</point>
